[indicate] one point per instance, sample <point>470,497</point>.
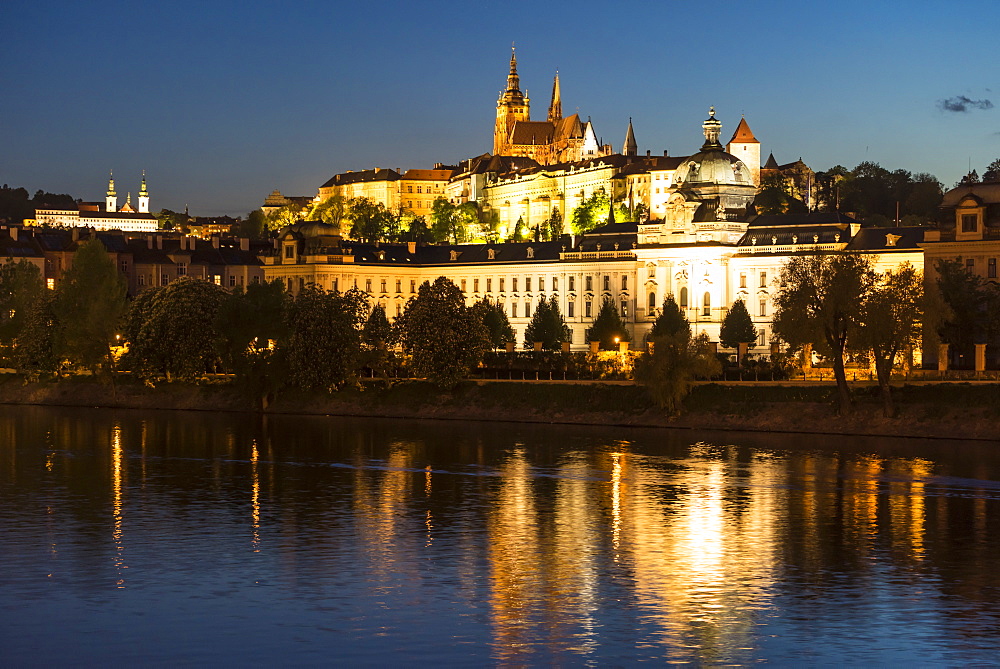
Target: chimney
<point>12,231</point>
<point>647,153</point>
<point>411,247</point>
<point>149,241</point>
<point>76,234</point>
<point>244,244</point>
<point>664,153</point>
<point>159,242</point>
<point>215,241</point>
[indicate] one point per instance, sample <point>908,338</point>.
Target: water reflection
<point>528,546</point>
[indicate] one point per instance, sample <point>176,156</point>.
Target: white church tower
<point>143,196</point>
<point>111,200</point>
<point>745,146</point>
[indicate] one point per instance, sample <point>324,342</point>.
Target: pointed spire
<point>630,148</point>
<point>611,212</point>
<point>513,81</point>
<point>111,184</point>
<point>743,134</point>
<point>142,189</point>
<point>713,128</point>
<point>555,108</point>
<point>771,163</point>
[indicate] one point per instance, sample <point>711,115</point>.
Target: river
<point>166,538</point>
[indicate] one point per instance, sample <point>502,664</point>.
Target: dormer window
<point>970,222</point>
<point>289,251</point>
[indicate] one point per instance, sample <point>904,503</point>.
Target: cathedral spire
<point>629,148</point>
<point>555,108</point>
<point>513,81</point>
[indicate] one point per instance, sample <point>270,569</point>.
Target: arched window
<point>707,305</point>
<point>684,297</point>
<point>652,301</point>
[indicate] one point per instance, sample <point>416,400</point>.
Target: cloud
<point>960,103</point>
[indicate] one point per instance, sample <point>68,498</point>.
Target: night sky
<point>223,102</point>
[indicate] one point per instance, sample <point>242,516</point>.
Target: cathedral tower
<point>555,107</point>
<point>512,106</point>
<point>143,196</point>
<point>111,199</point>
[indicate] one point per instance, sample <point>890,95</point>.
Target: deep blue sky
<point>221,102</point>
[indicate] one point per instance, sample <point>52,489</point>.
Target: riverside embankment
<point>942,410</point>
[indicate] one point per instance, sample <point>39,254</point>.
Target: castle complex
<point>696,236</point>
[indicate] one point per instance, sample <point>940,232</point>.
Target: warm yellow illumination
<point>255,498</point>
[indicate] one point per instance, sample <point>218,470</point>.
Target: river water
<point>166,538</point>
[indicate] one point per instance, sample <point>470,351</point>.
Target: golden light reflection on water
<point>117,475</point>
<point>254,498</point>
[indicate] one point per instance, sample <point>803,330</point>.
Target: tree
<point>819,303</point>
<point>608,327</point>
<point>324,341</point>
<point>284,216</point>
<point>670,369</point>
<point>775,197</point>
<point>547,326</point>
<point>670,320</point>
<point>518,234</point>
<point>737,327</point>
<point>370,220</point>
<point>418,230</point>
<point>971,307</point>
<point>173,330</point>
<point>247,321</point>
<point>377,330</point>
<point>590,213</point>
<point>992,171</point>
<point>35,350</point>
<point>891,317</point>
<point>21,286</point>
<point>332,210</point>
<point>494,318</point>
<point>254,225</point>
<point>444,338</point>
<point>90,304</point>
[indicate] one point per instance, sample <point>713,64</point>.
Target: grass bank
<point>946,410</point>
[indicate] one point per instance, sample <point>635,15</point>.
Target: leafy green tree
<point>248,321</point>
<point>444,338</point>
<point>284,216</point>
<point>547,326</point>
<point>173,330</point>
<point>992,171</point>
<point>90,304</point>
<point>21,286</point>
<point>819,303</point>
<point>891,317</point>
<point>171,220</point>
<point>494,318</point>
<point>670,369</point>
<point>670,320</point>
<point>332,211</point>
<point>608,327</point>
<point>377,330</point>
<point>35,352</point>
<point>370,220</point>
<point>737,327</point>
<point>418,230</point>
<point>518,234</point>
<point>971,307</point>
<point>324,342</point>
<point>451,223</point>
<point>253,225</point>
<point>775,197</point>
<point>590,213</point>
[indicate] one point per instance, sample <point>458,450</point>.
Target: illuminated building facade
<point>705,249</point>
<point>126,218</point>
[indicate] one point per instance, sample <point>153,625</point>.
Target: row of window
<point>706,303</point>
<point>763,280</point>
<point>421,189</point>
<point>215,278</point>
<point>991,267</point>
<point>501,283</point>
